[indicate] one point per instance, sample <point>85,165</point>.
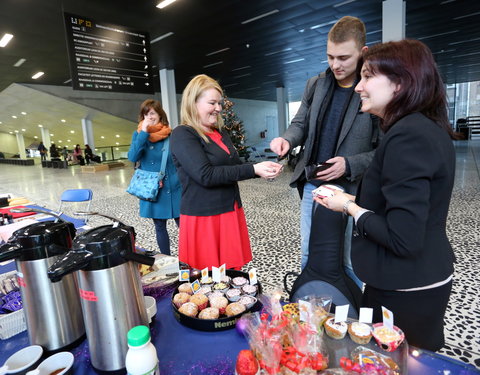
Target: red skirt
<point>206,241</point>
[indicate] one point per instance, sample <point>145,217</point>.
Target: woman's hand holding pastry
<point>267,169</point>
<point>335,202</point>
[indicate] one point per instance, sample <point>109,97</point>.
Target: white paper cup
<point>151,306</point>
<point>58,364</point>
<point>24,360</point>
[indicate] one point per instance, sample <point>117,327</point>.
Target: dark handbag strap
<point>166,148</point>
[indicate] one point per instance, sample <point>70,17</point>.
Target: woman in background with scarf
<point>146,148</point>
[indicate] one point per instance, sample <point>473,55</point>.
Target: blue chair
<point>77,196</point>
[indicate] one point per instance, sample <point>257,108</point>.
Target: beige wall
<point>8,144</point>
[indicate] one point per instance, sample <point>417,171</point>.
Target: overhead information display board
<point>105,57</point>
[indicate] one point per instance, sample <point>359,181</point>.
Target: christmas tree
<point>234,127</point>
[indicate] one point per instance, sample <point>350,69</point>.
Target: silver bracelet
<point>345,206</point>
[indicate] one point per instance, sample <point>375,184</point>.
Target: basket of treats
<point>216,306</point>
<point>306,337</point>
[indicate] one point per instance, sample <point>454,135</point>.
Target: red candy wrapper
<point>281,344</point>
<point>247,364</point>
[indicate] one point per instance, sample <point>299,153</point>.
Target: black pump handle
<point>9,251</point>
<point>139,258</point>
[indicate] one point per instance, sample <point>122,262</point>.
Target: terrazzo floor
<point>272,209</point>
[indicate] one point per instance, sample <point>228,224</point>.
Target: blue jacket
<point>149,155</point>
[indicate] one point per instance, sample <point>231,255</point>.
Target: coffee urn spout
<point>10,250</point>
<point>72,261</point>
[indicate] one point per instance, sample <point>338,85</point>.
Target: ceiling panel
<point>449,28</point>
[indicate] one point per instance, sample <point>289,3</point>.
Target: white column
<point>281,110</point>
<point>87,130</point>
<point>393,20</point>
<point>21,146</point>
<point>45,137</point>
<point>169,95</point>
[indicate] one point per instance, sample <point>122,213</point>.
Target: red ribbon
<point>297,361</point>
<point>349,365</point>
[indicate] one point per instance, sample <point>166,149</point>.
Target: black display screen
<point>106,57</point>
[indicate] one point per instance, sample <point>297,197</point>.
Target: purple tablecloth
<point>182,350</point>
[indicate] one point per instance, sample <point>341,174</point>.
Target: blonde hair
<point>348,28</point>
<point>188,109</point>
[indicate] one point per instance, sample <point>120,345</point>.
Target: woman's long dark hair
<point>410,64</point>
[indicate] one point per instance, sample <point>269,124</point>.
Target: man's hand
<point>280,146</point>
<point>336,171</point>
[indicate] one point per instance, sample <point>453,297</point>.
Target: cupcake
<point>201,300</point>
<point>209,313</point>
<point>233,294</point>
<point>226,279</point>
<point>205,289</point>
<point>335,330</point>
<point>360,333</point>
<point>388,339</point>
<point>222,287</point>
<point>251,290</point>
<point>180,298</point>
<point>220,303</point>
<point>247,301</point>
<point>216,293</point>
<point>189,309</point>
<point>185,288</point>
<point>207,281</point>
<point>239,281</point>
<point>234,308</point>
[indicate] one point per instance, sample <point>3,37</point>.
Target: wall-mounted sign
<point>105,57</point>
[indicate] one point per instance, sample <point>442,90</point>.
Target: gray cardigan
<point>357,140</point>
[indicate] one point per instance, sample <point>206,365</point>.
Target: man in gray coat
<point>331,129</point>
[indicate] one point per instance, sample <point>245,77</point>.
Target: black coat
<point>207,173</point>
<point>403,243</point>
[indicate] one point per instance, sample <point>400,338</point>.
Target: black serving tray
<point>219,324</point>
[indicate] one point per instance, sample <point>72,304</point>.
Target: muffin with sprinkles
<point>180,298</point>
<point>185,288</point>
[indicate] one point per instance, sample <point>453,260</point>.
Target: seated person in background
<point>90,156</point>
<point>65,153</point>
<point>54,155</point>
<point>77,155</point>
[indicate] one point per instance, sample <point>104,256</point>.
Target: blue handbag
<point>145,184</point>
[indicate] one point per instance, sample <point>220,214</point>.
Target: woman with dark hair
<point>400,247</point>
<point>90,156</point>
<point>148,143</point>
<point>77,155</point>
